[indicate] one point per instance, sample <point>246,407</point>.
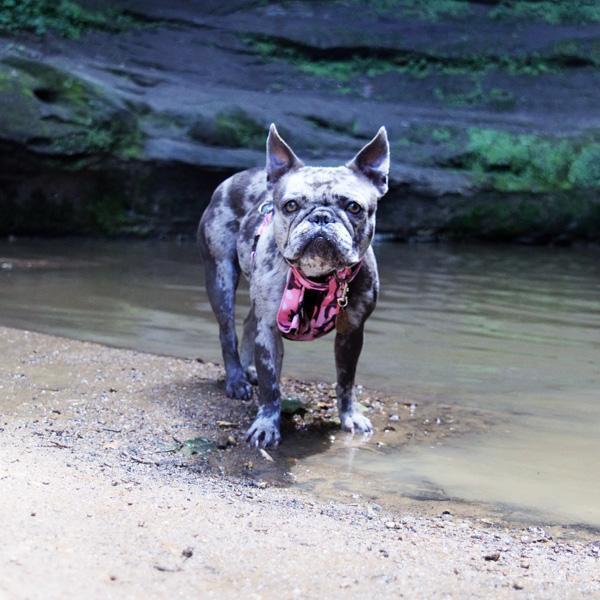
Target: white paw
<point>264,432</point>
<point>354,421</point>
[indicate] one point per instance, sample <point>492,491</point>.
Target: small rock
<point>225,443</point>
<point>517,585</point>
<point>524,564</point>
<point>594,548</point>
<point>394,417</point>
<point>493,556</point>
<point>391,524</point>
<point>187,552</point>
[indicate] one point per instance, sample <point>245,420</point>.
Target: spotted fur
<point>324,220</point>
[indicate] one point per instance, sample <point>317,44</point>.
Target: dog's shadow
<point>198,409</point>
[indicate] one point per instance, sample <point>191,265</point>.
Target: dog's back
<point>235,197</point>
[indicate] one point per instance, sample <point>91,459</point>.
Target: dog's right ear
<point>280,157</point>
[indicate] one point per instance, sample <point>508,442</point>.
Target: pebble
<point>494,556</point>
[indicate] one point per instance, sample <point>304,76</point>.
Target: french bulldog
<point>302,237</point>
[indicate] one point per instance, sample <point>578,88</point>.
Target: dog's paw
<point>252,375</point>
<point>264,432</point>
<point>355,422</point>
<point>238,387</point>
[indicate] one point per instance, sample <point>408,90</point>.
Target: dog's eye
<point>353,207</point>
<point>290,206</point>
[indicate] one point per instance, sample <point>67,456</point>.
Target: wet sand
<point>100,495</point>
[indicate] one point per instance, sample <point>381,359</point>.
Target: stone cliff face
<point>493,112</point>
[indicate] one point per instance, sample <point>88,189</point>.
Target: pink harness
<point>308,308</point>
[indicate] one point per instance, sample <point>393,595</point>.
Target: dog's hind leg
<point>222,278</point>
<point>247,347</point>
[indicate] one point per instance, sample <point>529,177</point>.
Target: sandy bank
<point>98,497</point>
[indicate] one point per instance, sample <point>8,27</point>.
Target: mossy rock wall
<point>120,118</point>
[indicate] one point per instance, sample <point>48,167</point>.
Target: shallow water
<point>511,331</point>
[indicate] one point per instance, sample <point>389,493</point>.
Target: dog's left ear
<point>280,157</point>
<point>374,161</point>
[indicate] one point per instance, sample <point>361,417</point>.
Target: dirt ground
<point>124,475</point>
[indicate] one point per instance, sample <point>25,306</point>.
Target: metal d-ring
<point>266,207</point>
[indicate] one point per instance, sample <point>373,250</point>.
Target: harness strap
<point>308,308</point>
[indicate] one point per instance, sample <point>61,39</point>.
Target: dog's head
<point>325,216</point>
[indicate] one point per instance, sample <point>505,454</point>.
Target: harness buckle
<point>343,297</point>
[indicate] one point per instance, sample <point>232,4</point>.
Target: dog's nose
<point>320,217</point>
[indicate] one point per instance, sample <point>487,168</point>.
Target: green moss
<point>233,128</point>
<point>345,127</point>
<point>441,135</point>
<point>528,217</point>
<point>431,10</point>
<point>58,113</point>
<point>550,11</point>
<point>529,163</point>
<point>238,129</point>
<point>519,162</point>
<point>64,17</point>
<point>585,169</point>
<point>472,92</point>
<point>374,62</point>
<point>107,215</point>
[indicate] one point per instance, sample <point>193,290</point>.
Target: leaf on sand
<point>291,406</point>
<point>361,407</point>
<point>226,424</point>
<point>198,445</point>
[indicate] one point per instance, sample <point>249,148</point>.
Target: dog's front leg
<point>268,356</point>
<point>347,350</point>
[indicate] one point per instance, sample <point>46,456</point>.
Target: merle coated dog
<point>302,237</point>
